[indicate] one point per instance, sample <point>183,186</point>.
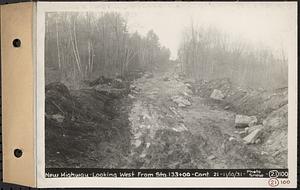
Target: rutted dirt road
<point>161,121</point>
<point>188,133</point>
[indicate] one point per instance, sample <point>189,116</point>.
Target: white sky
<point>269,24</point>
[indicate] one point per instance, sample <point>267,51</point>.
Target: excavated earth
<point>162,120</point>
<point>201,133</point>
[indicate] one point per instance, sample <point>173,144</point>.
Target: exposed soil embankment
<point>245,101</point>
<point>174,128</point>
<point>270,108</point>
<point>87,127</point>
<point>163,120</point>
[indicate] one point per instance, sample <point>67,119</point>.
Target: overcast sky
<point>269,24</point>
<point>272,25</point>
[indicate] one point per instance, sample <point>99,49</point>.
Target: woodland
<point>116,99</point>
<point>84,46</point>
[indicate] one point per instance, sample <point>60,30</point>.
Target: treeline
<point>209,54</point>
<point>84,46</point>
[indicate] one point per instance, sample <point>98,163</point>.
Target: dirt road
<point>161,123</point>
<point>172,128</point>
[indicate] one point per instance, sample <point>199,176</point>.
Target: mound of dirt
<point>243,101</point>
<point>58,100</point>
<point>205,88</point>
<point>275,137</point>
<point>84,128</point>
<point>270,108</point>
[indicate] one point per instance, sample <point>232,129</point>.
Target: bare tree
<point>89,45</point>
<point>207,54</point>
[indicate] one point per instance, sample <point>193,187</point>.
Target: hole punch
<point>17,43</point>
<point>18,153</point>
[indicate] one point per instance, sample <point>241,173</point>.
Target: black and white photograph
<point>168,86</point>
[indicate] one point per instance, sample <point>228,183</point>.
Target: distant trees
<point>209,54</point>
<point>83,46</point>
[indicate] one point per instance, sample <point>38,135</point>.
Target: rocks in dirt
<point>119,80</point>
<point>278,118</point>
<point>243,121</point>
<point>112,87</point>
<point>119,83</point>
<point>145,116</point>
<point>248,134</point>
<point>137,135</point>
<point>174,111</point>
<point>253,136</point>
<point>114,83</point>
<point>276,153</point>
<point>132,87</point>
<point>263,153</point>
<point>211,157</point>
<point>188,85</point>
<point>148,145</point>
<point>252,128</point>
<point>217,95</point>
<point>181,101</point>
<point>134,91</point>
<point>137,143</point>
<point>114,92</point>
<point>143,155</point>
<point>205,88</point>
<point>226,107</point>
<point>268,107</point>
<point>58,99</point>
<point>131,96</point>
<point>269,141</point>
<point>181,127</point>
<point>58,118</point>
<point>99,80</point>
<point>275,140</point>
<point>186,94</point>
<point>242,99</point>
<point>169,149</point>
<point>257,141</point>
<point>148,75</point>
<point>166,79</point>
<point>243,133</point>
<point>89,117</point>
<point>154,92</point>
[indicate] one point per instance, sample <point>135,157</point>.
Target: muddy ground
<point>162,120</point>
